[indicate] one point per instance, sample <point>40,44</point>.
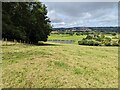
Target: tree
<point>26,21</point>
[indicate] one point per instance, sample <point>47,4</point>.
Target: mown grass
<point>59,66</point>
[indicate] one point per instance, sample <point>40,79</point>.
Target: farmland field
<point>66,37</point>
<point>59,45</point>
<point>59,66</point>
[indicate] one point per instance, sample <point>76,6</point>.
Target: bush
<point>114,33</point>
<point>119,41</point>
<point>80,43</point>
<point>96,43</point>
<point>85,33</point>
<point>71,33</point>
<point>77,33</point>
<point>83,42</point>
<point>108,39</point>
<point>89,42</point>
<point>102,36</point>
<point>115,43</point>
<point>89,37</point>
<point>114,37</point>
<point>107,43</point>
<point>98,40</point>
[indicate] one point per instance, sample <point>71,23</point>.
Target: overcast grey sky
<point>75,14</point>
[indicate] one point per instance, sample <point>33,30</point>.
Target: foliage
<point>98,40</point>
<point>115,43</point>
<point>78,33</point>
<point>89,37</point>
<point>108,39</point>
<point>107,43</point>
<point>26,21</point>
<point>114,37</point>
<point>71,33</point>
<point>114,33</point>
<point>89,42</point>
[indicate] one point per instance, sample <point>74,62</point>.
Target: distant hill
<point>101,29</point>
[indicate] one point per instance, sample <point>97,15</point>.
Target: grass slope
<point>59,66</point>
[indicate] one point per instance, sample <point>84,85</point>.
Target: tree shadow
<point>35,44</point>
<point>48,44</point>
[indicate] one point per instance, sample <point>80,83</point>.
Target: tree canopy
<point>26,21</point>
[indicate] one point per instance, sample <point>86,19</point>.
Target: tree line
<point>25,21</point>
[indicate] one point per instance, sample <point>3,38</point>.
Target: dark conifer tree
<point>26,21</point>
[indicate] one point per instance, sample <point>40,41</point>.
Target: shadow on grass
<point>48,44</point>
<point>35,44</point>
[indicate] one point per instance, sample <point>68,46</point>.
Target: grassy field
<point>74,37</point>
<point>66,37</point>
<point>59,66</point>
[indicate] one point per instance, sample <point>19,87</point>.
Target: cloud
<point>79,0</point>
<point>67,14</point>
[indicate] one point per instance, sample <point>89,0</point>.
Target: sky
<point>82,14</point>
